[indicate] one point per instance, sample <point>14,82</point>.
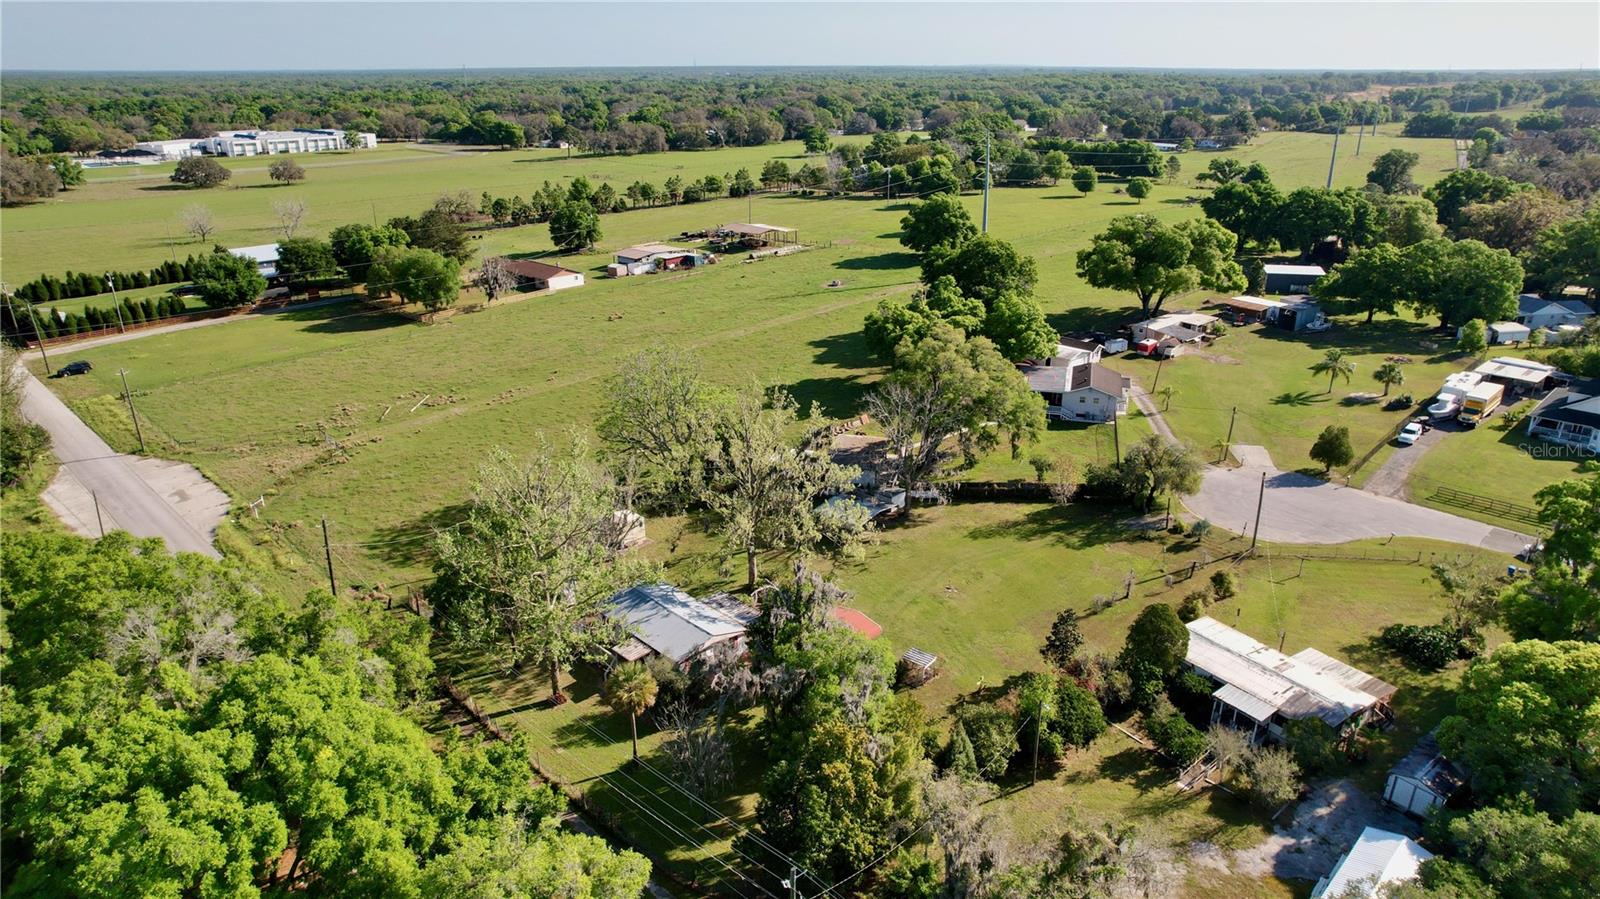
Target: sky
<point>322,36</point>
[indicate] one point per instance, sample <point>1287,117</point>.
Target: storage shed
<point>1423,779</point>
<point>757,234</point>
<point>1290,278</point>
<point>1378,858</point>
<point>1508,332</point>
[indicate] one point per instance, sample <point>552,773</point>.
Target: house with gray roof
<point>663,620</point>
<point>1569,416</point>
<point>1083,392</point>
<point>1537,312</point>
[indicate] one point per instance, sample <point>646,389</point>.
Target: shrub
<point>1177,528</point>
<point>959,757</point>
<point>1079,718</point>
<point>1192,691</point>
<point>1175,737</point>
<point>1193,606</point>
<point>672,684</point>
<point>1223,586</point>
<point>1272,776</point>
<point>1156,638</point>
<point>993,732</point>
<point>1042,466</point>
<point>1314,744</point>
<point>1427,647</point>
<point>1201,529</point>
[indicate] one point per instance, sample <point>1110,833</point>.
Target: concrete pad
<point>198,501</point>
<point>1252,456</point>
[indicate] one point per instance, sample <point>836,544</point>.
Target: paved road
<point>1301,509</point>
<point>123,492</point>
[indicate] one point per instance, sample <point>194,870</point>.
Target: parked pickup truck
<point>1480,402</point>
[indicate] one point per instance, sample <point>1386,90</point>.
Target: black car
<point>80,367</point>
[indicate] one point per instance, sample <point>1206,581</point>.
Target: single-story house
<point>1173,330</point>
<point>1378,858</point>
<point>1519,375</point>
<point>663,620</point>
<point>1508,332</point>
<point>1537,312</point>
<point>1261,689</point>
<point>1570,416</point>
<point>1423,780</point>
<point>1071,351</point>
<point>756,234</point>
<point>1290,278</point>
<point>1084,392</point>
<point>534,275</point>
<point>265,256</point>
<point>652,257</point>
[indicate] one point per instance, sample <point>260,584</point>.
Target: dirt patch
<point>1324,826</point>
<point>1219,358</point>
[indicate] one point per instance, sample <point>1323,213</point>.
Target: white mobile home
<point>1378,858</point>
<point>1261,689</point>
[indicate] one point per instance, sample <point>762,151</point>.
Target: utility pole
<point>988,143</point>
<point>98,520</point>
<point>1229,441</point>
<point>115,303</point>
<point>128,395</point>
<point>1157,383</point>
<point>1335,157</point>
<point>327,552</point>
<point>1116,439</point>
<point>1260,500</point>
<point>1360,130</point>
<point>33,316</point>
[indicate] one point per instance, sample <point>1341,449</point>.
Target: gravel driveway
<point>1301,509</point>
<point>1391,477</point>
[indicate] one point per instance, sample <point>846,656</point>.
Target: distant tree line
<point>604,113</point>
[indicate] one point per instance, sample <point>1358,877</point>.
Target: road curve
<point>1298,508</point>
<point>122,492</point>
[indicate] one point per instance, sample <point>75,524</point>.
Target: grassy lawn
<point>1265,373</point>
<point>1502,464</point>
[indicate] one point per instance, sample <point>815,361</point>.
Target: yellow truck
<point>1480,403</point>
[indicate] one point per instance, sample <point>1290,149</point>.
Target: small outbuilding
<point>1423,780</point>
<point>534,275</point>
<point>1283,279</point>
<point>1378,858</point>
<point>1173,331</point>
<point>1519,376</point>
<point>647,258</point>
<point>1508,332</point>
<point>756,235</point>
<point>1247,310</point>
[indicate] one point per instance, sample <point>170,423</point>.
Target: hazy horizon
<point>346,37</point>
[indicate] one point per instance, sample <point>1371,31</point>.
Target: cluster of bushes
<point>1194,605</point>
<point>1425,646</point>
<point>51,289</point>
<point>543,203</point>
<point>1049,713</point>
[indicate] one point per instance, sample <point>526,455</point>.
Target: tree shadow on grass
<point>880,262</point>
<point>837,397</point>
<point>1387,336</point>
<point>1300,398</point>
<point>410,542</point>
<point>339,318</point>
<point>1092,318</point>
<point>1063,525</point>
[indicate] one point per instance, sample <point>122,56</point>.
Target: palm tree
<point>631,688</point>
<point>1336,366</point>
<point>1389,374</point>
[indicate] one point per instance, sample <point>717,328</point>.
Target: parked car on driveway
<point>81,367</point>
<point>1409,434</point>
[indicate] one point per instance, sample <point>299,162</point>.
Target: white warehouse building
<point>260,143</point>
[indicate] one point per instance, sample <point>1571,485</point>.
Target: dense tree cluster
<point>171,729</point>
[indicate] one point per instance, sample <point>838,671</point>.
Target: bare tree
<point>290,214</point>
<point>198,222</point>
<point>696,747</point>
<point>494,277</point>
